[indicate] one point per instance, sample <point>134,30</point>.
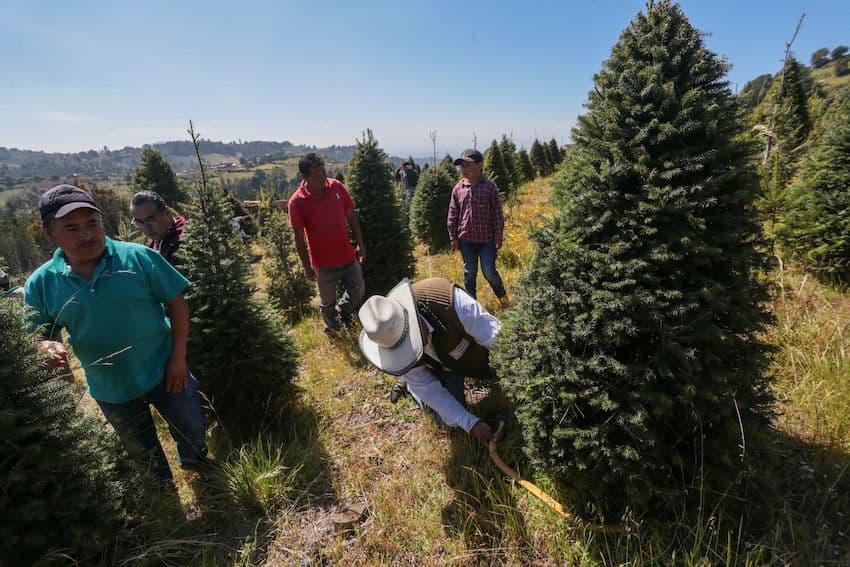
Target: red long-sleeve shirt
<point>475,212</point>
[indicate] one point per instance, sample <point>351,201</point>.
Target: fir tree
<point>430,208</point>
<point>816,231</point>
<point>633,353</point>
<point>524,166</point>
<point>155,174</point>
<point>555,155</point>
<point>243,356</point>
<point>385,232</point>
<point>784,116</point>
<point>538,158</point>
<point>289,290</point>
<point>448,165</point>
<point>61,491</point>
<point>508,151</point>
<point>496,171</point>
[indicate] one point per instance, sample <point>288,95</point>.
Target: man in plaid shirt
<point>476,224</point>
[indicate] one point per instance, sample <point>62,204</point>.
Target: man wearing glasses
<point>151,217</point>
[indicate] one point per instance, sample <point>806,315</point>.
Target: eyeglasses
<point>148,222</point>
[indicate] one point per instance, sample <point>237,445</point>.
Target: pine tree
<point>243,356</point>
<point>633,354</point>
<point>496,171</point>
<point>386,235</point>
<point>508,151</point>
<point>289,290</point>
<point>155,174</point>
<point>555,155</point>
<point>784,116</point>
<point>430,208</point>
<point>61,489</point>
<point>538,158</point>
<point>524,166</point>
<point>448,165</point>
<point>816,231</point>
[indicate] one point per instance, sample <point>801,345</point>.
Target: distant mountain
<point>16,163</point>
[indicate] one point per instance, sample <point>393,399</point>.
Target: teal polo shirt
<point>116,322</point>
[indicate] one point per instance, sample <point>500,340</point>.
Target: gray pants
<point>351,278</point>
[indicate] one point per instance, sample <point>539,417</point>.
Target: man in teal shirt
<point>111,298</point>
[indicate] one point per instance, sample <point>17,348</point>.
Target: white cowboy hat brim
<point>409,350</point>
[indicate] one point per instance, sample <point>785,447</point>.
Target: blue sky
<point>86,74</point>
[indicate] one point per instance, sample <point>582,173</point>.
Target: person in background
<point>162,228</point>
<point>476,224</point>
<point>321,214</point>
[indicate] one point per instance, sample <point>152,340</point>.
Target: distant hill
<point>16,163</point>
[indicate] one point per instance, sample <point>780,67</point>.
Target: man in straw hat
<point>432,333</point>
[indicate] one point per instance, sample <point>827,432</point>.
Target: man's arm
<point>476,320</point>
<point>451,220</point>
<point>498,218</point>
<point>176,369</point>
<point>354,225</point>
<point>301,248</point>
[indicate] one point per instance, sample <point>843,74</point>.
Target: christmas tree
<point>539,158</point>
<point>288,288</point>
<point>816,231</point>
<point>495,169</point>
<point>385,233</point>
<point>633,353</point>
<point>61,491</point>
<point>524,167</point>
<point>431,208</point>
<point>243,356</point>
<point>155,174</point>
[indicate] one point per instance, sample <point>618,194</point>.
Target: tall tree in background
<point>555,155</point>
<point>508,151</point>
<point>538,158</point>
<point>243,356</point>
<point>524,167</point>
<point>785,112</point>
<point>496,170</point>
<point>430,208</point>
<point>61,491</point>
<point>155,174</point>
<point>448,165</point>
<point>633,354</point>
<point>816,231</point>
<point>289,290</point>
<point>385,232</point>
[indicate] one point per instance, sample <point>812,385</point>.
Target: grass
<point>430,496</point>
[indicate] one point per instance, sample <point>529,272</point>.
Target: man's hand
<point>361,253</point>
<point>310,273</point>
<point>454,245</point>
<point>481,432</point>
<point>57,355</point>
<point>498,246</point>
<point>176,374</point>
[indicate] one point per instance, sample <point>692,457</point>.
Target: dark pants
<point>134,424</point>
<point>351,278</point>
<point>471,252</point>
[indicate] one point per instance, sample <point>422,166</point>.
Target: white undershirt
<point>481,326</point>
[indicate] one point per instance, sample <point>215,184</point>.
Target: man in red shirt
<point>322,209</point>
<point>476,224</point>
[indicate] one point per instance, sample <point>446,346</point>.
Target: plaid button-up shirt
<point>475,212</point>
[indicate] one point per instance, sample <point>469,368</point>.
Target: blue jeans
<point>134,425</point>
<point>486,251</point>
<point>453,382</point>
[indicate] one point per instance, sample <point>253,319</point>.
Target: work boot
<point>399,388</point>
<point>504,301</point>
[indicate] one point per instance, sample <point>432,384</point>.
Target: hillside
<point>354,480</point>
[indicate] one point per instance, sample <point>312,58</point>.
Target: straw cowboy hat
<point>391,338</point>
